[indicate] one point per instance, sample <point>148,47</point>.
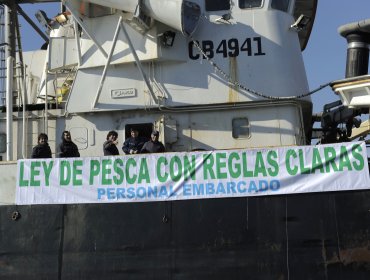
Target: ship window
<point>247,4</point>
<point>282,5</point>
<point>217,5</point>
<point>2,142</point>
<point>241,128</point>
<point>144,129</point>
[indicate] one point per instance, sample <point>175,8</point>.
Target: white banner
<point>195,175</point>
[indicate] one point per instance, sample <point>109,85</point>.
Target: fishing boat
<point>252,185</point>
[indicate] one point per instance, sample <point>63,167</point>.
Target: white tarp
<point>195,175</point>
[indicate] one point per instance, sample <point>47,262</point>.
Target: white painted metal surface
<point>355,95</point>
<point>192,105</point>
<point>8,182</point>
<point>273,50</point>
<point>168,12</point>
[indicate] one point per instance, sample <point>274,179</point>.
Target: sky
<point>324,56</point>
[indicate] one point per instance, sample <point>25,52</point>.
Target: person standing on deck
<point>133,144</point>
<point>153,145</point>
<point>67,148</point>
<point>42,149</point>
<point>110,146</point>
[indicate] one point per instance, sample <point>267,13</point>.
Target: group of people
<point>66,148</point>
<point>132,145</point>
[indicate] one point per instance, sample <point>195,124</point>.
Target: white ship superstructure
<point>117,64</point>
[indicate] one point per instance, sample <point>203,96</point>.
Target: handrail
<point>138,64</point>
<point>46,100</point>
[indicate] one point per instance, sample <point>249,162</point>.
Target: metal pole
<point>102,79</point>
<point>6,31</point>
<point>138,64</point>
<point>34,26</point>
<point>9,108</point>
<point>46,100</point>
<point>9,85</point>
<point>24,117</point>
<point>78,46</point>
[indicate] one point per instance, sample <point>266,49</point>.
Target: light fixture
<point>167,38</point>
<point>61,18</point>
<point>43,19</point>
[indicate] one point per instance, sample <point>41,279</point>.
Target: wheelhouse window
<point>247,4</point>
<point>144,129</point>
<point>241,128</point>
<point>282,5</point>
<point>217,5</point>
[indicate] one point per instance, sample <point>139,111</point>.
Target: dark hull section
<point>314,236</point>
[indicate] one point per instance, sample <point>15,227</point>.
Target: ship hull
<point>306,236</point>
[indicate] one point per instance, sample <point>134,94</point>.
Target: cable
<point>237,84</point>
